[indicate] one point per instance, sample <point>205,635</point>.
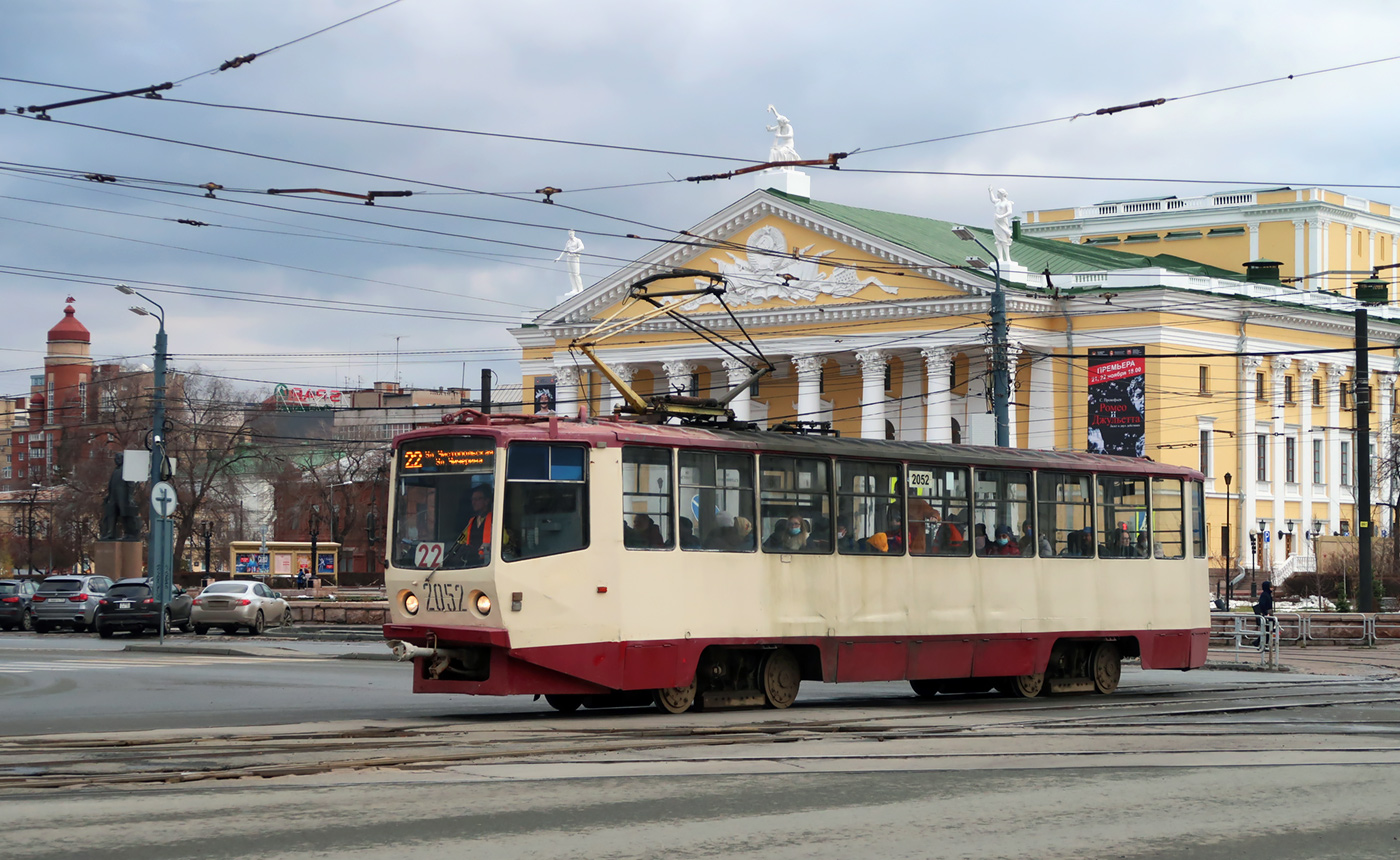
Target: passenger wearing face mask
<point>845,541</point>
<point>1003,543</point>
<point>789,534</point>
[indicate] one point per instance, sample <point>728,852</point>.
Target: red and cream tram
<point>608,561</point>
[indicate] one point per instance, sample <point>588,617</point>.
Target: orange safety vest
<point>476,533</point>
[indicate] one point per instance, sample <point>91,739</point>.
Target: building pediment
<point>775,255</point>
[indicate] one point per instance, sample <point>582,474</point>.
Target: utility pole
<point>1366,599</point>
<point>486,390</point>
<point>1001,374</point>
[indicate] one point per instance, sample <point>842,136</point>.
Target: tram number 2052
<point>445,597</point>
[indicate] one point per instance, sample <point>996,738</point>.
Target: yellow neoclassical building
<point>1163,347</point>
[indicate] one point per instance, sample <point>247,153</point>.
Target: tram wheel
<point>1024,686</point>
<point>564,704</point>
<point>1107,667</point>
<point>780,678</point>
<point>675,700</point>
<point>925,689</point>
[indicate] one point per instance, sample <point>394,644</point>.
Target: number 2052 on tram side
<point>613,562</point>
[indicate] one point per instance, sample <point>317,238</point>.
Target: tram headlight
<point>409,600</point>
<point>483,604</point>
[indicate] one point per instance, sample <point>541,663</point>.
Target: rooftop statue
<point>782,148</point>
<point>1002,208</point>
<point>570,255</point>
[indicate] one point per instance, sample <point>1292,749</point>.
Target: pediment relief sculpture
<point>768,270</point>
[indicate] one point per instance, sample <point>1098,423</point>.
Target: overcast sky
<point>684,77</point>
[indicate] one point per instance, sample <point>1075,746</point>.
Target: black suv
<point>130,605</point>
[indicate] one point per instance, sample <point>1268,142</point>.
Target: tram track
<point>66,762</point>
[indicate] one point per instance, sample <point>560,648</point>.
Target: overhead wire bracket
<point>151,92</point>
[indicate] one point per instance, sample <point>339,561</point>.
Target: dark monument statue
<point>119,519</point>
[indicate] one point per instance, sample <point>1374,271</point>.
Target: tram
<point>611,561</point>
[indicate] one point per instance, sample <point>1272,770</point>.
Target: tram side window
<point>546,500</point>
<point>1123,512</point>
<point>1198,518</point>
<point>646,498</point>
<point>1002,513</point>
<point>1066,514</point>
<point>869,510</point>
<point>717,498</point>
<point>938,506</point>
<point>795,504</point>
<point>1168,518</point>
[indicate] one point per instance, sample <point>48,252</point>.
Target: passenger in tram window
<point>1116,545</point>
<point>923,526</point>
<point>979,537</point>
<point>1047,549</point>
<point>894,531</point>
<point>1027,542</point>
<point>1141,549</point>
<point>688,538</point>
<point>789,534</point>
<point>647,532</point>
<point>1004,543</point>
<point>742,536</point>
<point>845,541</point>
<point>949,540</point>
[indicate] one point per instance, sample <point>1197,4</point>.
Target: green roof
<point>935,239</point>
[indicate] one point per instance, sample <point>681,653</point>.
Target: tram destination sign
<point>447,456</point>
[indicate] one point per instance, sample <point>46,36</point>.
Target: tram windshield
<point>443,503</point>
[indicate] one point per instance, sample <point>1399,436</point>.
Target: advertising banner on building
<point>544,394</point>
<point>1118,401</point>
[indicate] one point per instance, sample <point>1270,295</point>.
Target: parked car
<point>14,603</point>
<point>67,601</point>
<point>130,605</point>
<point>236,603</point>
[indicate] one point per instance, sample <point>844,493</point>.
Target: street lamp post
<point>1228,541</point>
<point>160,543</point>
<point>206,531</point>
<point>314,527</point>
<point>31,526</point>
<point>1001,375</point>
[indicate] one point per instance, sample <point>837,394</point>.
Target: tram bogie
<point>611,563</point>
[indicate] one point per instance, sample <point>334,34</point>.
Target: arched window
<point>957,432</point>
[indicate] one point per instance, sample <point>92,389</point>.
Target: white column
<point>809,386</point>
<point>1041,427</point>
<point>1300,253</point>
<point>566,395</point>
<point>938,426</point>
<point>736,372</point>
<point>1324,252</point>
<point>1334,445</point>
<point>625,372</point>
<point>1307,369</point>
<point>1278,368</point>
<point>1253,241</point>
<point>872,393</point>
<point>678,372</point>
<point>1249,492</point>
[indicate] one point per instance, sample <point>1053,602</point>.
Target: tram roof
<point>609,431</point>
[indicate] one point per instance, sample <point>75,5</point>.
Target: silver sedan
<point>239,603</point>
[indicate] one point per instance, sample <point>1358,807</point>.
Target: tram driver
<point>474,543</point>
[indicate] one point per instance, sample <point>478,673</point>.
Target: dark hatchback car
<point>14,603</point>
<point>130,605</point>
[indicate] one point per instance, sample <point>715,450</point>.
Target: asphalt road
<point>1238,765</point>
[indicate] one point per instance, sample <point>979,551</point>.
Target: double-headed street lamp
<point>30,525</point>
<point>1001,375</point>
<point>160,548</point>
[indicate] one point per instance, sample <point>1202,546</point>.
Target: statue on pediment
<point>782,148</point>
<point>1002,207</point>
<point>570,255</point>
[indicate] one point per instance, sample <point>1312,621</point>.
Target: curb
<point>222,651</point>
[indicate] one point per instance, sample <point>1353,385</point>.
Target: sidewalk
<point>1378,663</point>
